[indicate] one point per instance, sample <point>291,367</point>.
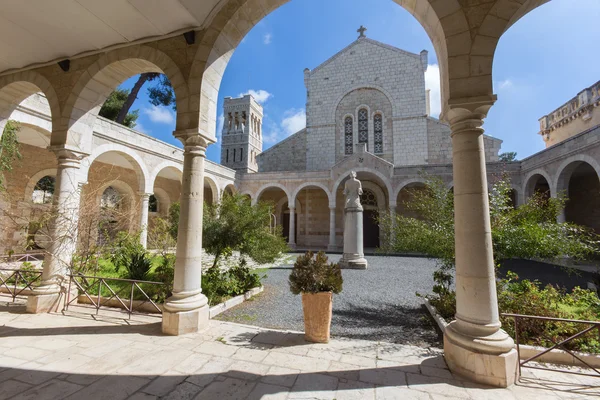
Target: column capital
<point>145,196</point>
<point>193,137</point>
<point>332,207</point>
<point>393,204</point>
<point>68,158</point>
<point>467,114</point>
<point>292,208</point>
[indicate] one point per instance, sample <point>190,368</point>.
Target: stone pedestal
<point>45,303</point>
<point>183,322</point>
<point>354,257</point>
<point>500,370</point>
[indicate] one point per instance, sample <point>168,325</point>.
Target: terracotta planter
<point>317,316</point>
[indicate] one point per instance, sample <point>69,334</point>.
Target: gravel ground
<point>377,304</point>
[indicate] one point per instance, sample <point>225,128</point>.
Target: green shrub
<point>123,248</point>
<point>138,267</point>
<point>219,285</point>
<point>165,273</point>
<point>314,274</point>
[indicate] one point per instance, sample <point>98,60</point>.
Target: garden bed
<point>147,307</point>
<point>555,356</point>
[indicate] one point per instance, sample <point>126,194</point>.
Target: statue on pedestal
<point>353,226</point>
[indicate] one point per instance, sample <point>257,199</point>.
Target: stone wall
<point>398,74</point>
<point>287,155</point>
<point>313,221</point>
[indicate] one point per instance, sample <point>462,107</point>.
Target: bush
<point>219,285</point>
<point>164,273</point>
<point>138,267</point>
<point>314,275</point>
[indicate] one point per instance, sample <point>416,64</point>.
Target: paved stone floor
<point>76,355</point>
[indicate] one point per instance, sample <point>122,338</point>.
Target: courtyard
<point>75,355</point>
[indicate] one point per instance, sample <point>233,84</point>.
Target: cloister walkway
<point>78,356</point>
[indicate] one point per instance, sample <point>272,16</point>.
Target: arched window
<point>378,130</point>
<point>368,198</point>
<point>363,126</point>
<point>43,190</point>
<point>348,140</point>
<point>153,204</point>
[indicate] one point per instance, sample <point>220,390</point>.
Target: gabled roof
<point>360,41</point>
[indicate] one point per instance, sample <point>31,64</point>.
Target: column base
<point>183,322</point>
<point>351,261</point>
<point>499,370</point>
<point>45,303</point>
<point>292,246</point>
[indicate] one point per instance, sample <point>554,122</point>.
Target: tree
<point>508,156</point>
<point>113,106</point>
<point>9,150</point>
<point>235,225</point>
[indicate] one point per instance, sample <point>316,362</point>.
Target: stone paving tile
<point>300,362</point>
<point>163,385</point>
<point>229,389</point>
<point>26,353</point>
<point>192,363</point>
<point>250,355</point>
<point>280,376</point>
<point>314,386</point>
<point>343,371</point>
<point>183,391</point>
<point>401,393</point>
<point>156,362</point>
<point>429,384</point>
<point>111,387</point>
<point>263,391</point>
<point>35,374</point>
<point>206,374</point>
<point>54,389</point>
<point>11,387</point>
<point>216,349</point>
<point>353,390</point>
<point>247,370</point>
<point>385,377</point>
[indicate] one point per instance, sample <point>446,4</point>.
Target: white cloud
<point>267,38</point>
<point>294,120</point>
<point>505,84</point>
<point>260,96</point>
<point>220,123</point>
<point>160,115</point>
<point>432,82</point>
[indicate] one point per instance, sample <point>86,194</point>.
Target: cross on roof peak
<point>362,31</point>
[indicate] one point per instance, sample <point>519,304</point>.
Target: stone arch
<point>166,164</point>
<point>529,183</point>
<point>32,182</point>
<point>231,188</point>
<point>376,189</point>
<point>270,185</point>
<point>344,175</point>
<point>441,21</point>
<point>164,201</point>
<point>138,165</point>
<point>15,88</point>
<point>313,184</point>
<point>126,191</point>
<point>566,168</point>
<point>214,188</point>
<point>395,107</point>
<point>102,77</point>
<point>405,184</point>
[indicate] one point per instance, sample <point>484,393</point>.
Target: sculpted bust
<point>352,191</point>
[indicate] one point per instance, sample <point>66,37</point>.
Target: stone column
<point>63,233</point>
<point>292,232</point>
<point>393,221</point>
<point>474,344</point>
<point>144,203</point>
<point>186,311</point>
<point>332,246</point>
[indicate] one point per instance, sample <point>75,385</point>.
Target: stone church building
<point>368,116</point>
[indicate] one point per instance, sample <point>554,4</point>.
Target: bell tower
<point>241,139</point>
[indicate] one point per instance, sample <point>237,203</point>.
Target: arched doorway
<point>370,214</point>
<point>278,198</point>
<point>583,205</point>
<point>538,184</point>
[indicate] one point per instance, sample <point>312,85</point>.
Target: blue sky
<point>544,60</point>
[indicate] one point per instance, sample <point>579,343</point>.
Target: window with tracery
<point>363,126</point>
<point>378,133</point>
<point>368,198</point>
<point>348,140</point>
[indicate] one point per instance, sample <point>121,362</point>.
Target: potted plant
<point>317,280</point>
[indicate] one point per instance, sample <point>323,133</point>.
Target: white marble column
<point>474,344</point>
<point>186,310</point>
<point>63,233</point>
<point>331,245</point>
<point>144,204</point>
<point>292,232</point>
